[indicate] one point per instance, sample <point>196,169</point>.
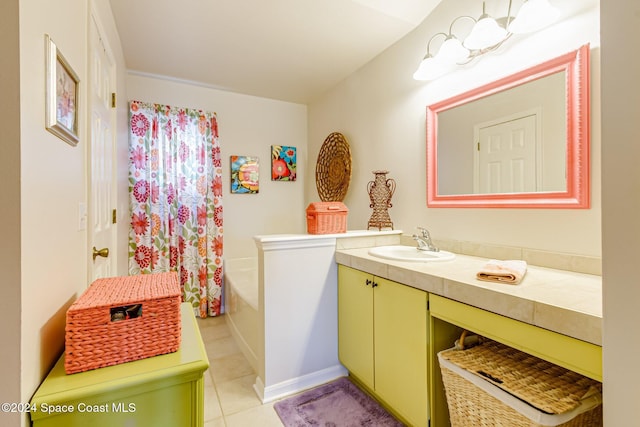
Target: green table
<point>165,390</point>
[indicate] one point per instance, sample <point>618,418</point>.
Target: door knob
<point>104,252</point>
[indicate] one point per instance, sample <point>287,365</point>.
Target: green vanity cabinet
<point>382,341</point>
<point>355,324</point>
<point>160,391</point>
<point>389,335</point>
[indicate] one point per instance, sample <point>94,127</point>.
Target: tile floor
<point>229,399</point>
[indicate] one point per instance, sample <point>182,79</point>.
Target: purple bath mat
<point>336,404</point>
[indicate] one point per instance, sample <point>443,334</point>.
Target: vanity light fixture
<point>486,35</point>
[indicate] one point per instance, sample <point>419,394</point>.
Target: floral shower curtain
<point>175,187</point>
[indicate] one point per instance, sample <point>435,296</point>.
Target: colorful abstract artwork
<point>245,174</point>
<point>283,163</point>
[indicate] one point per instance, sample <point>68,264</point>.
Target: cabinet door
<point>400,337</point>
<point>355,323</point>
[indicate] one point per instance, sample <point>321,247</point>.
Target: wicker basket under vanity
<point>495,385</point>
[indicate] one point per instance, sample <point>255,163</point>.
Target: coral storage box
<point>121,319</point>
<point>327,218</point>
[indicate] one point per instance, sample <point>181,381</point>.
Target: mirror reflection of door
<point>507,156</point>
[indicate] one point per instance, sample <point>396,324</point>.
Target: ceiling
<point>291,50</point>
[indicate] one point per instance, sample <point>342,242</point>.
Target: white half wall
<point>298,310</point>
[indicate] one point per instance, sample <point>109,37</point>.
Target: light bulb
<point>430,69</point>
<point>452,51</point>
<point>533,15</point>
<point>484,34</point>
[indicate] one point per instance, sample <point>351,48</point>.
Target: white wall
<point>53,249</point>
<point>620,207</point>
<point>382,112</point>
<point>44,181</point>
<point>249,126</point>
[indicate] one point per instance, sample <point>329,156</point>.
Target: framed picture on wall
<point>245,174</point>
<point>283,163</point>
<point>61,98</point>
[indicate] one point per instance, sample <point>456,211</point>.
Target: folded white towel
<point>509,271</point>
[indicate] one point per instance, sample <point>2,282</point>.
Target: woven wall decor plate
<point>333,168</point>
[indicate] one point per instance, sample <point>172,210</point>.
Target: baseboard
<point>296,385</point>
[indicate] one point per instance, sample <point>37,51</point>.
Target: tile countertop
<point>562,301</point>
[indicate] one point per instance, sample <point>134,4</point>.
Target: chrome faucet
<point>424,241</point>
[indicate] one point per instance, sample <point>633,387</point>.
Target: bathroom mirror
<point>519,142</point>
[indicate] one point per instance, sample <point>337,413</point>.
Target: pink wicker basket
<point>327,218</point>
<point>120,319</point>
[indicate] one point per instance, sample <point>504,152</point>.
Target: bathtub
<point>241,305</point>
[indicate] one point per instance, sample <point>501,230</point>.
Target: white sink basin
<point>410,253</point>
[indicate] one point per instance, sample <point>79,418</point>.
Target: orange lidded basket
<point>121,319</point>
<point>327,218</point>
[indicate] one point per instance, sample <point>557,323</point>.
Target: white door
<point>507,160</point>
<point>101,164</point>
